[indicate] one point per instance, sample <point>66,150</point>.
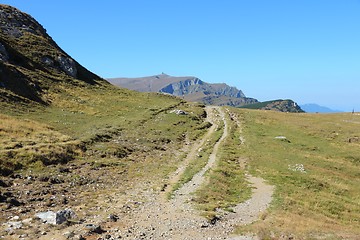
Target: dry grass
<point>324,199</point>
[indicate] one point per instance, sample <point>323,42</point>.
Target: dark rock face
<point>190,88</point>
<point>195,85</point>
<point>15,23</point>
<point>31,62</point>
<point>184,87</point>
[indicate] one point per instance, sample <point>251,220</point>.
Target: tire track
<point>159,218</point>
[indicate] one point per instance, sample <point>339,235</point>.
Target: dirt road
<point>160,218</point>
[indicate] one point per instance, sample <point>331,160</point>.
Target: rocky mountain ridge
<point>190,88</point>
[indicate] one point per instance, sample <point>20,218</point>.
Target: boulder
<point>67,65</point>
<point>56,217</point>
<point>179,112</point>
<point>93,228</point>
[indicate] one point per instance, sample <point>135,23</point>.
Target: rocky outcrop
<point>67,65</point>
<point>15,23</point>
<point>30,60</point>
<point>195,85</point>
<point>277,105</point>
<point>184,87</point>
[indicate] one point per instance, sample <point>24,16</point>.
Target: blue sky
<point>305,50</point>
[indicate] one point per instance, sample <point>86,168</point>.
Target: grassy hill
<point>54,110</point>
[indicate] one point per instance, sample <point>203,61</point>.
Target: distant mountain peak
<point>315,108</point>
<point>190,88</point>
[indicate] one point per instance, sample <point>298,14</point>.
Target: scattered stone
<point>13,225</point>
<point>354,140</point>
<point>56,218</point>
<point>47,217</point>
<point>214,220</point>
<point>69,234</point>
<point>12,202</point>
<point>179,112</point>
<point>113,218</point>
<point>23,236</point>
<point>55,180</point>
<point>15,218</point>
<point>205,225</point>
<point>27,221</point>
<point>64,215</point>
<point>93,228</point>
<point>283,138</point>
<point>48,61</point>
<point>297,168</point>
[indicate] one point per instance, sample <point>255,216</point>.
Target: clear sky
<point>305,50</point>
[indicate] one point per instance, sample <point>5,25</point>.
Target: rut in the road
<point>182,194</point>
<point>159,218</point>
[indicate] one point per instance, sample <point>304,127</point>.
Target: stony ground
<point>140,211</point>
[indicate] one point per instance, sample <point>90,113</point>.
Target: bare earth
<point>145,212</point>
<point>159,218</point>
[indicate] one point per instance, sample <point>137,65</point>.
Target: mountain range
<point>190,88</point>
<point>196,90</point>
<point>315,108</point>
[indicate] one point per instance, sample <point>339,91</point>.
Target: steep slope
<point>190,88</point>
<point>31,63</point>
<point>54,111</point>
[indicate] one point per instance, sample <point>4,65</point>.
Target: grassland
<point>315,169</point>
<point>96,121</point>
<point>118,137</point>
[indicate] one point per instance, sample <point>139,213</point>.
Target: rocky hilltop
<point>279,105</point>
<point>190,88</point>
<point>31,62</point>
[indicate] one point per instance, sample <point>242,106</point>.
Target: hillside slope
<point>44,90</point>
<point>190,88</point>
<point>31,63</point>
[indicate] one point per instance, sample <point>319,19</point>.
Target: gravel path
<point>159,218</point>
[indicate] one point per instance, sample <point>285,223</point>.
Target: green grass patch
<point>226,185</point>
<point>201,159</point>
<point>326,189</point>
